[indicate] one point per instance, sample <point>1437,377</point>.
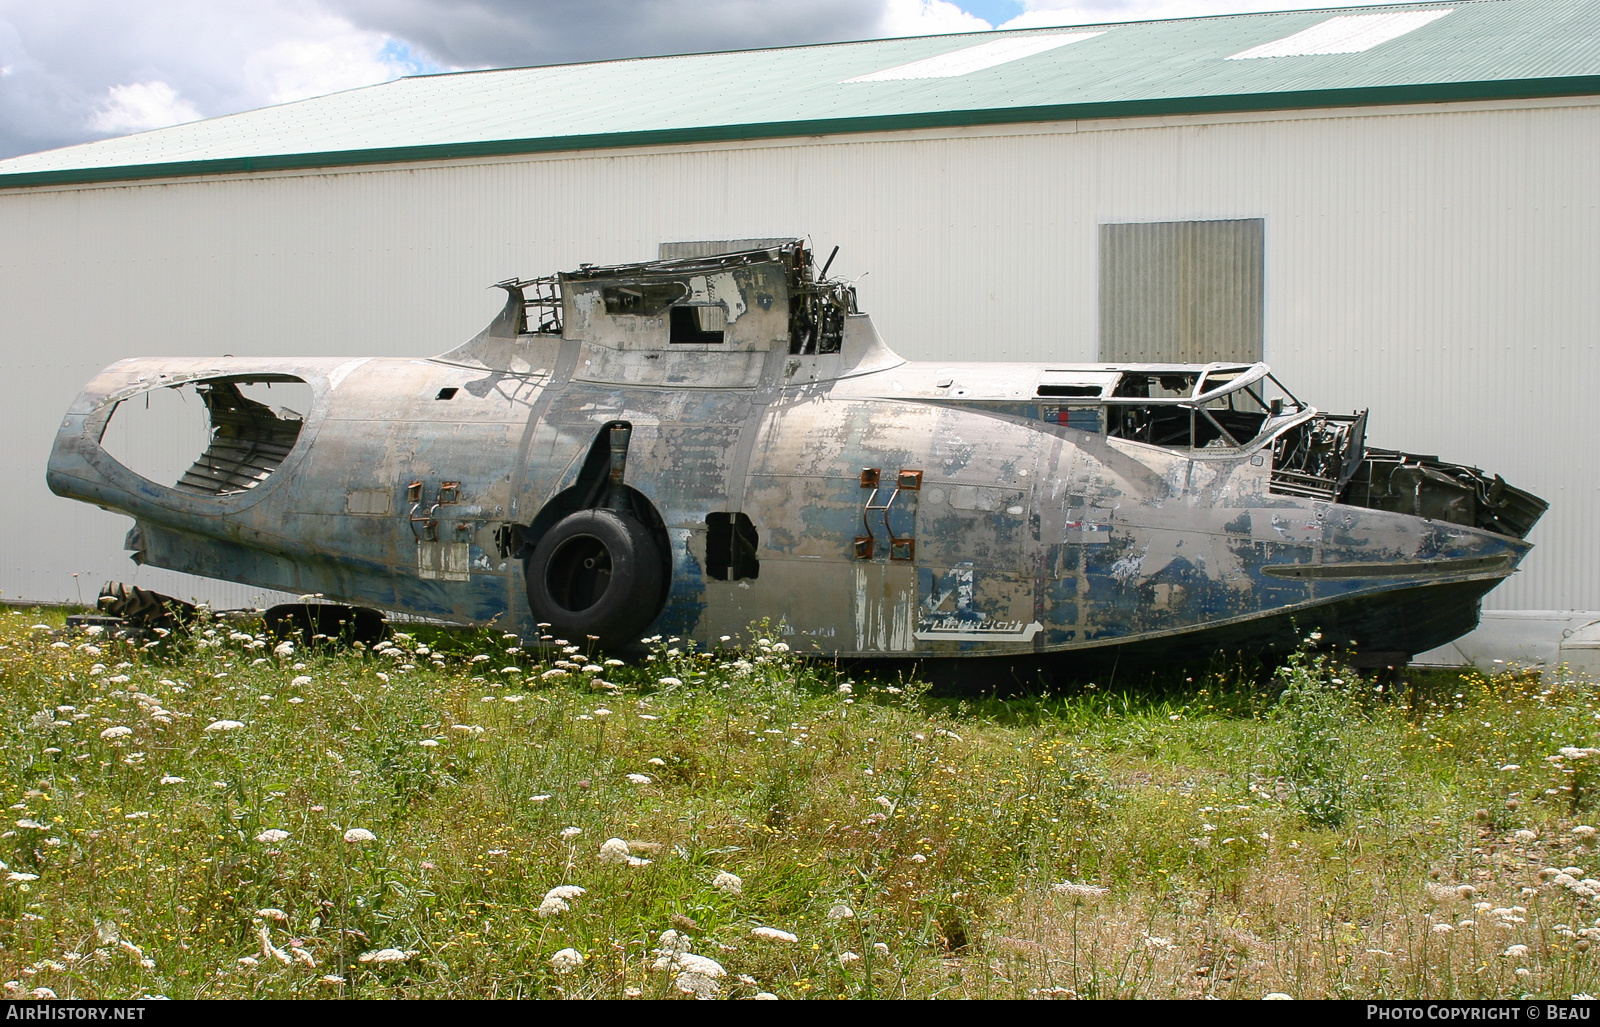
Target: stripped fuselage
<point>997,520</point>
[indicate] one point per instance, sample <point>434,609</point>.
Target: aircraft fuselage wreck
<point>687,447</point>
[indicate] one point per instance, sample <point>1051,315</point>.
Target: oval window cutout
<point>213,437</point>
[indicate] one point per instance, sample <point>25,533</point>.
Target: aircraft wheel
<point>597,572</point>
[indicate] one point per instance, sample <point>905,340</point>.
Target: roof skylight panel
<point>1347,33</point>
<point>976,58</point>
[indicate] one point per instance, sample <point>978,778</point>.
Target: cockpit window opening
<point>697,325</point>
<point>1075,391</point>
<point>1216,407</point>
<point>644,299</point>
<point>541,304</point>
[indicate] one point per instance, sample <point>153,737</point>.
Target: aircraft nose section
<point>1424,486</point>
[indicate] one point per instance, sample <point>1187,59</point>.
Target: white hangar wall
<point>1437,264</point>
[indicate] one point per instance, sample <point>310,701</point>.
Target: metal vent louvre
<point>715,247</point>
<point>1181,291</point>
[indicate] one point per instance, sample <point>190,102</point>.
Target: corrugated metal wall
<point>1438,266</point>
<point>1181,291</point>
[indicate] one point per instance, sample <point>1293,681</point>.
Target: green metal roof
<point>1476,50</point>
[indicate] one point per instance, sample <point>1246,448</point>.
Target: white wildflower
<point>272,836</point>
<point>702,965</point>
<point>728,884</point>
<point>656,761</point>
<point>840,911</point>
<point>552,905</point>
<point>18,877</point>
<point>30,825</point>
<point>567,833</point>
<point>359,834</point>
<point>615,850</point>
<point>670,945</point>
<point>429,743</point>
<point>1584,834</point>
<point>116,732</point>
<point>566,961</point>
<point>1525,836</point>
<point>43,993</point>
<point>1449,895</point>
<point>223,725</point>
<point>881,948</point>
<point>846,958</point>
<point>283,649</point>
<point>1516,952</point>
<point>384,956</point>
<point>846,689</point>
<point>1442,928</point>
<point>1277,996</point>
<point>773,934</point>
<point>1160,944</point>
<point>301,680</point>
<point>1080,892</point>
<point>539,798</point>
<point>272,913</point>
<point>1511,768</point>
<point>638,779</point>
<point>700,986</point>
<point>669,682</point>
<point>565,891</point>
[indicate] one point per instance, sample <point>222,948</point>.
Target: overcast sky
<point>76,70</point>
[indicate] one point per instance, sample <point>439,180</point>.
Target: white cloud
<point>927,18</point>
<point>81,69</point>
<point>139,106</point>
<point>326,58</point>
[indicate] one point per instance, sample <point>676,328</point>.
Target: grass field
<point>455,816</point>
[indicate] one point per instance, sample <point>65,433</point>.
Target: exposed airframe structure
<point>690,446</point>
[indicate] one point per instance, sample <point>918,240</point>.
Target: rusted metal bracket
<point>900,549</point>
<point>429,531</point>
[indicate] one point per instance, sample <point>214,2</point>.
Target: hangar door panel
<point>1181,291</point>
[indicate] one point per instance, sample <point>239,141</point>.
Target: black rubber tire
<point>597,572</point>
<point>331,624</point>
